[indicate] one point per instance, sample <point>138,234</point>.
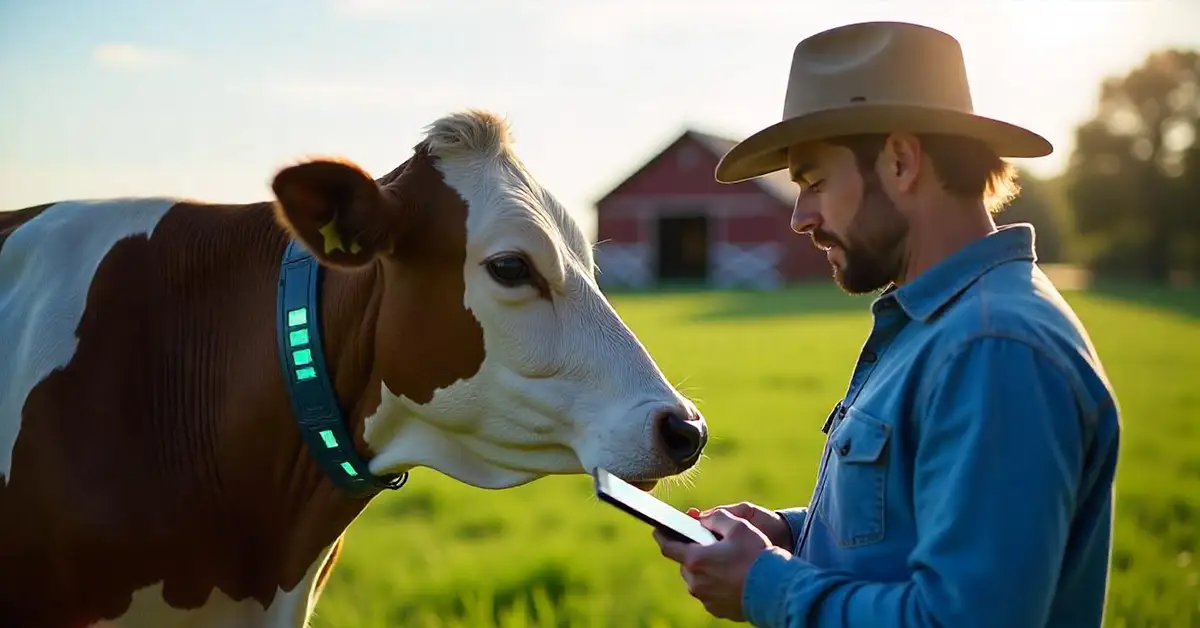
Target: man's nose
<point>805,218</point>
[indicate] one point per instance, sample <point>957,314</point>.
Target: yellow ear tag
<point>333,239</point>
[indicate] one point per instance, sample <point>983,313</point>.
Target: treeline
<point>1128,203</point>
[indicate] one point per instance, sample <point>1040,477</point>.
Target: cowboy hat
<point>874,77</point>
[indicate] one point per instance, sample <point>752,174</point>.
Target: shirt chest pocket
<point>854,497</point>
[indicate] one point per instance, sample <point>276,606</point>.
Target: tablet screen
<point>643,505</point>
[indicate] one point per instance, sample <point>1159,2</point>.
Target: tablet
<point>634,501</point>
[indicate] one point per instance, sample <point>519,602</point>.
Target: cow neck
<point>315,406</point>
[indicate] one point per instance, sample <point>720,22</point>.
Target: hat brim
<point>766,151</point>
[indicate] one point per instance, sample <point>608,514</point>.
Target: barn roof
<point>778,185</point>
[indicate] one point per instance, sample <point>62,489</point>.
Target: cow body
<point>151,471</point>
<point>146,452</point>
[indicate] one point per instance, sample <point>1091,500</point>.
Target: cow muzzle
<point>681,434</point>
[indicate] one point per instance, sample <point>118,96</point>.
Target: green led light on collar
<point>316,409</point>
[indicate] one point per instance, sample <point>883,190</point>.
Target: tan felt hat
<point>875,77</point>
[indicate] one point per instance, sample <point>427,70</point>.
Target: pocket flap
<point>861,438</point>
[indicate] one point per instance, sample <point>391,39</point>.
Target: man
<point>968,474</point>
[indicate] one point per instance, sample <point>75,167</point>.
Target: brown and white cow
<point>151,471</point>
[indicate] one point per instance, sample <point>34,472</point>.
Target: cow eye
<point>510,270</point>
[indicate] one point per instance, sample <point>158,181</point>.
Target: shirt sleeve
<point>999,454</point>
<point>795,520</point>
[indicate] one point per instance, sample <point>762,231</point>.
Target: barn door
<point>683,248</point>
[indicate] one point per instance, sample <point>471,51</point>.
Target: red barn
<point>671,222</point>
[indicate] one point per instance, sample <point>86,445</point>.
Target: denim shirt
<point>967,477</point>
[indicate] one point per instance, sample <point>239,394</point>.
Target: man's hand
<point>768,521</point>
<point>715,574</point>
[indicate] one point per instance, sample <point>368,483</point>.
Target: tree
<point>1133,182</point>
<point>1037,206</point>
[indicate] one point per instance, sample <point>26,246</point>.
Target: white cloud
<point>132,57</point>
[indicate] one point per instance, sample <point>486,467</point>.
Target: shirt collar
<point>925,295</point>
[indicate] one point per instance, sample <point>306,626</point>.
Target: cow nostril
<point>683,439</point>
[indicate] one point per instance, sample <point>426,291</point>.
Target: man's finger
<point>723,522</point>
<point>740,509</point>
<point>671,548</point>
<point>708,512</point>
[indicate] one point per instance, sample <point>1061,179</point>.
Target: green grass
<point>549,554</point>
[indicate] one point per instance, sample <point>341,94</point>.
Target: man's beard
<point>873,246</point>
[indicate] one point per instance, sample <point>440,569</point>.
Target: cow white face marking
<point>565,386</point>
<point>46,268</point>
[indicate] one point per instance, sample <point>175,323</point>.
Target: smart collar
<point>306,378</point>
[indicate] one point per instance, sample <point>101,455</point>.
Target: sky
<point>207,99</point>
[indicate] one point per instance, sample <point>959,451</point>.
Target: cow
<point>155,466</point>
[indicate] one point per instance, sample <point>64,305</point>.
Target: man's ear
<point>901,161</point>
<point>336,210</point>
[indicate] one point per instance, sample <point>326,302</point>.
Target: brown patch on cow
<point>424,274</point>
<point>12,220</point>
<point>166,450</point>
<point>428,276</point>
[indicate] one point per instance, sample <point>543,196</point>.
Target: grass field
<point>765,368</point>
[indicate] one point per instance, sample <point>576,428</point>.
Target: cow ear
<point>336,210</point>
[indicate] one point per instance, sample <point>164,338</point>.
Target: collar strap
<point>306,377</point>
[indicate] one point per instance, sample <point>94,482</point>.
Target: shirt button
<point>845,448</point>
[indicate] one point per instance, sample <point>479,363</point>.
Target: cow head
<point>499,359</point>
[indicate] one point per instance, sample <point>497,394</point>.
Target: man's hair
<point>967,168</point>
